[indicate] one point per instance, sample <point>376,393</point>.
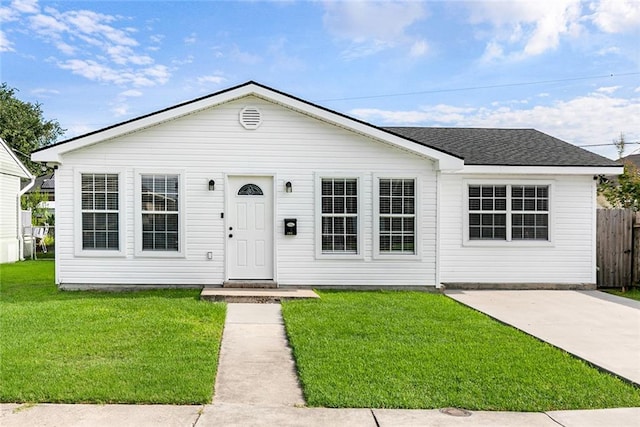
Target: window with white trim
<point>397,216</point>
<point>160,212</point>
<point>530,212</point>
<point>339,223</point>
<point>100,211</point>
<point>508,212</point>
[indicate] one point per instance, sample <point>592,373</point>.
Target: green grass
<point>418,350</point>
<point>631,293</point>
<point>96,347</point>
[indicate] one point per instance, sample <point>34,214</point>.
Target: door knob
<point>230,228</point>
<point>230,235</point>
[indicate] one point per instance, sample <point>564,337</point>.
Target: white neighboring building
<point>12,171</point>
<point>253,184</point>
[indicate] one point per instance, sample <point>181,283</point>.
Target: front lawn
<point>130,347</point>
<point>418,350</point>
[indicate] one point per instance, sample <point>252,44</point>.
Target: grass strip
<point>631,293</point>
<point>98,347</point>
<point>418,350</point>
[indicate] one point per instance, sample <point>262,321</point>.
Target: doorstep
<point>249,295</point>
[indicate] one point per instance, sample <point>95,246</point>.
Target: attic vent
<point>250,118</point>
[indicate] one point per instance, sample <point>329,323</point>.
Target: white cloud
<point>595,118</point>
<point>45,92</point>
<point>191,39</point>
<point>419,48</point>
<point>608,89</point>
<point>215,79</point>
<point>526,28</point>
<point>616,16</point>
<point>371,27</point>
<point>131,93</point>
<point>5,44</point>
<point>25,6</point>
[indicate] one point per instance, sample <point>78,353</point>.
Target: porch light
<point>212,185</point>
<point>288,187</point>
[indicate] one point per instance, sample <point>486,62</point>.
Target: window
<point>397,216</point>
<point>509,212</point>
<point>488,212</point>
<point>339,201</point>
<point>100,212</point>
<point>530,207</point>
<point>160,213</point>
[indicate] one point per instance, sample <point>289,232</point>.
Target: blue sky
<point>566,67</point>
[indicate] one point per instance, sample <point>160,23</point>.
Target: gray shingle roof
<point>503,147</point>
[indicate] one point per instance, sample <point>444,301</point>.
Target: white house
<point>12,171</point>
<point>253,184</point>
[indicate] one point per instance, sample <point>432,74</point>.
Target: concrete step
<point>248,295</point>
<point>250,284</point>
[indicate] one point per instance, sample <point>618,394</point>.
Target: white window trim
<point>318,215</point>
<point>137,202</point>
<point>77,211</point>
<point>508,242</point>
<point>376,219</point>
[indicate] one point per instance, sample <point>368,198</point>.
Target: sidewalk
<point>257,386</point>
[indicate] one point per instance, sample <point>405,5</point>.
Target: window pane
<point>352,205</point>
<point>327,187</point>
<point>100,183</point>
<point>352,187</point>
<point>87,182</point>
<point>385,225</point>
<point>408,206</point>
<point>474,204</point>
<point>327,205</point>
<point>385,187</point>
<point>338,205</point>
<point>396,205</point>
<point>352,225</point>
<point>112,201</point>
<point>112,183</point>
<point>100,202</point>
<point>385,243</point>
<point>385,205</point>
<point>409,225</point>
<point>338,188</point>
<point>327,225</point>
<point>87,201</point>
<point>474,191</point>
<point>409,188</point>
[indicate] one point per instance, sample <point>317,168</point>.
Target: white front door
<point>250,228</point>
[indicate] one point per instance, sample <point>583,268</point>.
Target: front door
<point>250,228</point>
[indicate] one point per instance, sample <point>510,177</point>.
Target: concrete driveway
<point>601,328</point>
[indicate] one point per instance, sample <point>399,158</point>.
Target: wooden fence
<point>618,248</point>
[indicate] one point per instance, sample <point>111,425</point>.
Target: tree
<point>624,191</point>
<point>24,128</point>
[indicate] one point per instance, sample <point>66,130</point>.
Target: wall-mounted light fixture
<point>212,185</point>
<point>288,187</point>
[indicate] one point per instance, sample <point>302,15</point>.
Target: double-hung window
<point>508,212</point>
<point>339,216</point>
<point>159,212</point>
<point>100,206</point>
<point>397,216</point>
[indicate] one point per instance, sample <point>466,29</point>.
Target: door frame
<point>228,199</point>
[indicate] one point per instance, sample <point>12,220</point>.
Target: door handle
<point>230,228</point>
<point>230,235</point>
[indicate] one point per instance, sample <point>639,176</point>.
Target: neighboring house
<point>252,183</point>
<point>12,172</point>
<point>46,184</point>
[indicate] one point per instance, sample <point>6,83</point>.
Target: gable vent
<point>250,118</point>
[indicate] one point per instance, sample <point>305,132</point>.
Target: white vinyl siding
<point>291,147</point>
<point>568,256</point>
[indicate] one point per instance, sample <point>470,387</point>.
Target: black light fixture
<point>288,187</point>
<point>212,185</point>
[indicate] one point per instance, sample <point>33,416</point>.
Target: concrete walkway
<point>256,366</point>
<point>598,327</point>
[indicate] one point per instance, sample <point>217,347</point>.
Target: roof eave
<point>541,170</point>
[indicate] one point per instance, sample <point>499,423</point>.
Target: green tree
<point>24,128</point>
<point>624,191</point>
